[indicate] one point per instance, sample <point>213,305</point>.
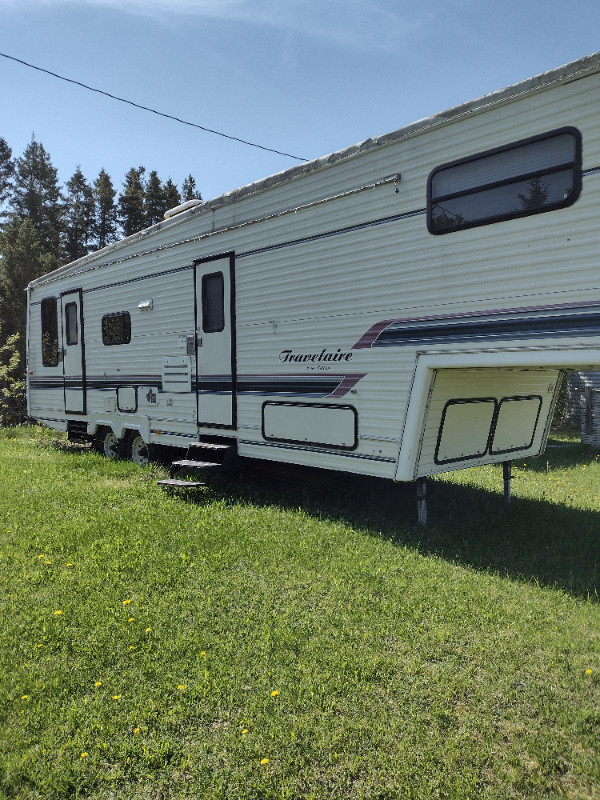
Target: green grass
<point>268,639</point>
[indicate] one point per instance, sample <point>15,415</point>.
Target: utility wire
<point>152,110</point>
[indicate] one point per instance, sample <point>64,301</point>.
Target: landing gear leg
<point>421,502</point>
<point>507,475</point>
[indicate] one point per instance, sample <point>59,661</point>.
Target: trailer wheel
<point>137,449</point>
<point>108,444</point>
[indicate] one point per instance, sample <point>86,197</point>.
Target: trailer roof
<point>565,74</point>
<point>560,75</point>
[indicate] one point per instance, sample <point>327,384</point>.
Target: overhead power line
<point>151,110</point>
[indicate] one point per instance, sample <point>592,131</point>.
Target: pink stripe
<point>347,383</point>
<point>373,333</point>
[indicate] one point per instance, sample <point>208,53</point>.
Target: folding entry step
<point>212,457</point>
<point>183,484</point>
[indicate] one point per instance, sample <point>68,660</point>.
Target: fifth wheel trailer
<point>400,308</point>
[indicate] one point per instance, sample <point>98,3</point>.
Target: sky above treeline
<point>302,77</point>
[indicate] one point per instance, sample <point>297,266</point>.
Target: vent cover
<point>177,374</point>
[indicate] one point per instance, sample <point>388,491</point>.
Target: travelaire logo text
<point>288,356</point>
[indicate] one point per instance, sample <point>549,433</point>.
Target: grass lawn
<point>266,639</point>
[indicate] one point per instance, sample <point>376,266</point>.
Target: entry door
<point>215,341</point>
<point>73,353</point>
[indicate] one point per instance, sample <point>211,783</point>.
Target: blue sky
<point>306,77</point>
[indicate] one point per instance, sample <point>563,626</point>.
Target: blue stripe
<point>521,327</point>
<point>296,385</point>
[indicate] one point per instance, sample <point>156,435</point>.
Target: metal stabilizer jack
<point>421,502</point>
<point>507,475</point>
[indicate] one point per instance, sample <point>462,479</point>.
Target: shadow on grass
<point>545,542</point>
<point>541,541</point>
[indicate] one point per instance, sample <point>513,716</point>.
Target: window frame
<point>125,329</point>
<point>574,165</point>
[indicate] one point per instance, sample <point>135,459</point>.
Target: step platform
<point>182,484</point>
<point>188,462</point>
<point>197,458</point>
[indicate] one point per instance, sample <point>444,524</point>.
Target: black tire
<point>107,443</point>
<point>137,449</point>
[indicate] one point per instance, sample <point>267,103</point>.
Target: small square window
<point>116,328</point>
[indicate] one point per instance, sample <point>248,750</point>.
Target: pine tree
<point>79,217</point>
<point>172,196</point>
<point>23,258</point>
<point>7,169</point>
<point>37,196</point>
<point>189,191</point>
<point>154,199</point>
<point>536,196</point>
<point>106,221</point>
<point>131,202</point>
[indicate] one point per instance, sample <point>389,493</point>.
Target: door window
<point>213,303</point>
<point>72,334</point>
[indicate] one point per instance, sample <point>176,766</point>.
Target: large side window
<point>213,303</point>
<point>50,332</point>
<point>527,177</point>
<point>116,328</point>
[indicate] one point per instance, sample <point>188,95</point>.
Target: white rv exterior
<point>403,307</point>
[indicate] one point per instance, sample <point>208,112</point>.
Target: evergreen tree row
<point>82,216</point>
<point>44,225</point>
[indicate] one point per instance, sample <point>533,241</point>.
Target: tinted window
<point>523,178</point>
<point>213,303</point>
<point>49,332</point>
<point>116,328</point>
<point>71,323</point>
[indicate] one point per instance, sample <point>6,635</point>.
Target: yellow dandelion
<point>117,696</point>
<point>245,731</point>
<point>181,687</point>
<point>84,755</point>
<point>26,696</point>
<point>131,647</point>
<point>47,562</point>
<point>203,653</point>
<point>98,683</point>
<point>69,564</point>
<point>130,619</point>
<point>589,671</point>
<point>148,630</point>
<point>57,613</point>
<point>136,730</point>
<point>126,602</point>
<point>264,761</point>
<point>274,693</point>
<point>41,555</point>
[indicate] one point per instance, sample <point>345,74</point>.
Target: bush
<point>12,382</point>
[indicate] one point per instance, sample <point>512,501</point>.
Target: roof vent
<point>172,212</point>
